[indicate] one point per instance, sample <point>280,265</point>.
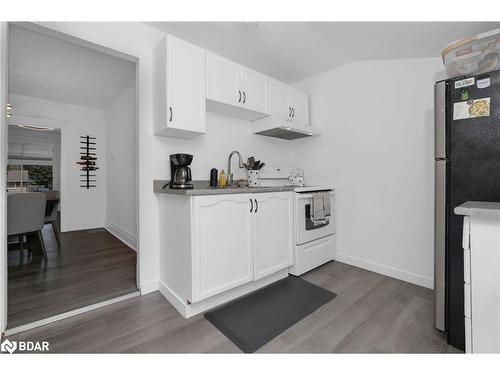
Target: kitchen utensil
<point>261,166</point>
<point>251,162</point>
<point>256,165</point>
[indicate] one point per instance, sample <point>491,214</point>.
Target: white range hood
<point>272,127</point>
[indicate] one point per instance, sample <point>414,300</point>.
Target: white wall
<point>80,208</point>
<point>211,150</point>
<point>376,148</point>
<point>121,169</point>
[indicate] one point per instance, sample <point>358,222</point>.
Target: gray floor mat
<point>253,320</point>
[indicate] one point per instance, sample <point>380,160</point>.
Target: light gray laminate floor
<point>372,314</point>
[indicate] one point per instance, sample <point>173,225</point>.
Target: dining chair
<point>51,218</point>
<point>26,215</point>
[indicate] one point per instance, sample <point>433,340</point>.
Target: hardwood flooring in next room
<point>372,314</point>
<point>90,267</point>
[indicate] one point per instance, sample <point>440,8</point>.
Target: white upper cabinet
<point>180,92</point>
<point>280,100</point>
<point>289,117</point>
<point>223,80</point>
<point>299,103</point>
<point>255,89</point>
<point>235,90</point>
<point>189,81</point>
<point>288,104</point>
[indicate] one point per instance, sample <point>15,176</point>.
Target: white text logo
<point>24,346</point>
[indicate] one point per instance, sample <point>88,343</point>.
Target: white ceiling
<point>49,68</point>
<point>292,51</point>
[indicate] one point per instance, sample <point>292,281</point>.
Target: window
<point>29,177</point>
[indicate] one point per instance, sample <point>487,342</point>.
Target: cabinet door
<point>273,233</point>
<point>300,105</point>
<point>255,91</point>
<point>185,86</point>
<point>223,80</point>
<point>223,243</point>
<point>280,106</point>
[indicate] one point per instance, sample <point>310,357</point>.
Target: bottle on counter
<point>213,178</point>
<point>222,179</point>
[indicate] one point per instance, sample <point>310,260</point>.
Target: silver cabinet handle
<point>289,111</point>
<point>251,205</point>
<point>293,112</point>
<point>244,97</point>
<point>239,99</point>
<point>171,114</point>
<point>256,205</point>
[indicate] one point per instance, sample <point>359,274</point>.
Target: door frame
<point>4,49</point>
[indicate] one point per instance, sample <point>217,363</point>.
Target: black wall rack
<point>88,161</point>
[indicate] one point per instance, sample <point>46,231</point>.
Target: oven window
<point>310,225</point>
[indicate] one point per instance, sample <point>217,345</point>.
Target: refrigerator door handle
<point>440,120</point>
<point>440,243</point>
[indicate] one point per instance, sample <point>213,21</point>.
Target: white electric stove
<point>314,242</point>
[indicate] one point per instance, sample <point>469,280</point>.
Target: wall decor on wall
<point>88,160</point>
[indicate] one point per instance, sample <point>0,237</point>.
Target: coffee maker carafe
<point>180,172</point>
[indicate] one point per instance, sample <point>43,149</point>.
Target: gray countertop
<point>471,208</point>
<point>203,188</point>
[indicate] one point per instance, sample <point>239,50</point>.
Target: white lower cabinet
<point>223,244</point>
<point>481,246</point>
<point>216,248</point>
<point>272,233</point>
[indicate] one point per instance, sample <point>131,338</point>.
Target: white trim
<point>4,50</point>
<point>413,278</point>
<point>173,298</point>
<point>69,314</point>
<point>123,235</point>
<point>187,310</point>
<point>149,287</point>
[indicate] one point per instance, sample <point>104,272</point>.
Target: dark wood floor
<point>372,314</point>
<point>90,267</point>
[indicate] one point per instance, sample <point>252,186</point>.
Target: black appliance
<point>467,168</point>
<point>180,173</point>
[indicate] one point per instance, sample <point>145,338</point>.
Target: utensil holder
<point>253,178</point>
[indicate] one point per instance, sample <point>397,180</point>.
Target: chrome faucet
<point>229,173</point>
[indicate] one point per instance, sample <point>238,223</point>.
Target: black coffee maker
<point>180,173</point>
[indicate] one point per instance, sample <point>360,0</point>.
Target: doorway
<point>72,143</point>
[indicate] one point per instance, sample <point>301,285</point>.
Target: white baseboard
<point>426,282</point>
<point>188,310</point>
<point>69,314</point>
<point>173,298</point>
<point>123,235</point>
<point>148,287</point>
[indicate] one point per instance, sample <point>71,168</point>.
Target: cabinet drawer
<point>468,335</point>
<point>467,301</point>
<point>467,266</point>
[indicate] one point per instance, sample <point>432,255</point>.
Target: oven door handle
<point>308,196</point>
